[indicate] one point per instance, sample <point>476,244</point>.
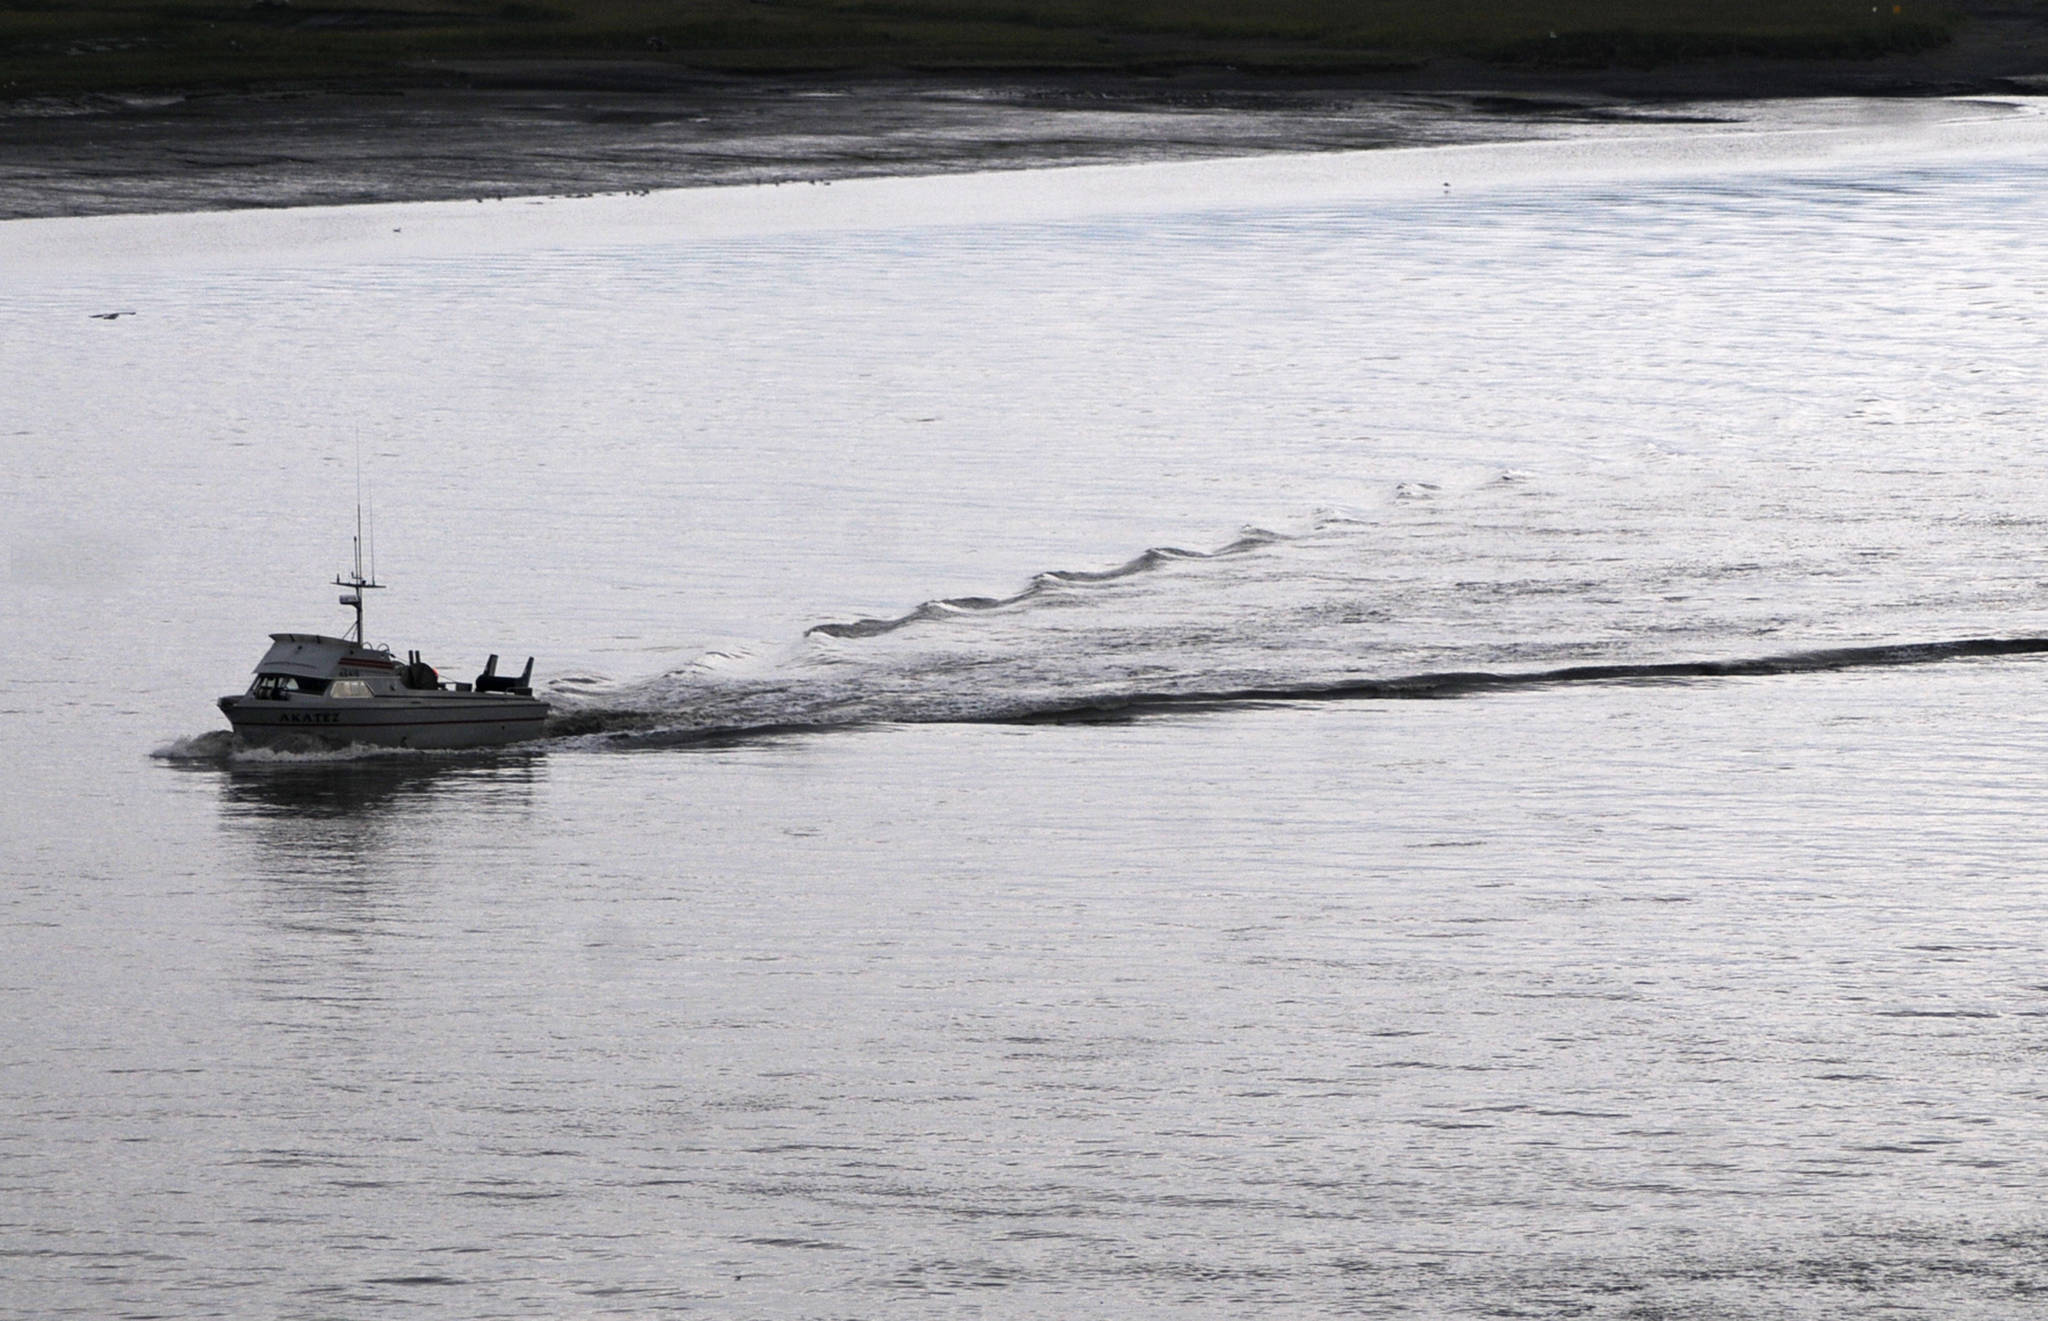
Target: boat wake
<point>1050,581</point>
<point>738,717</point>
<point>1505,583</point>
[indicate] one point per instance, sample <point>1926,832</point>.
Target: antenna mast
<point>357,584</point>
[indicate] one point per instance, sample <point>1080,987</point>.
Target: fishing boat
<point>311,689</point>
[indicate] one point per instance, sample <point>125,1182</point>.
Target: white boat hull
<point>430,720</point>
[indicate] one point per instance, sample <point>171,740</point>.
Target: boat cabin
<point>315,665</point>
<point>320,666</point>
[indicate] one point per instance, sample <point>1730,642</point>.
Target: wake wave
<point>644,728</point>
<point>221,747</point>
<point>1153,558</point>
<point>1462,683</point>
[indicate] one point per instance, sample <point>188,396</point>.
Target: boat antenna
<point>357,584</point>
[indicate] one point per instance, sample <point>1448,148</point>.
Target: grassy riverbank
<point>48,48</point>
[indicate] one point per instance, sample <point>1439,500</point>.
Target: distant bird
<point>109,316</point>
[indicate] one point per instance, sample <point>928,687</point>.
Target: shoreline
<point>561,128</point>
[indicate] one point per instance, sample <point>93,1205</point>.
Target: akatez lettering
<point>308,717</point>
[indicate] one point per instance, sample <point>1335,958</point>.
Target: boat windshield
<point>277,687</point>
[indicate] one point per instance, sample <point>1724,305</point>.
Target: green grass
<point>51,48</point>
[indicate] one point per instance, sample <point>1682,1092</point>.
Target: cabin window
<point>277,687</point>
<point>348,688</point>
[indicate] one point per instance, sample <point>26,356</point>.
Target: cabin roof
<point>315,655</point>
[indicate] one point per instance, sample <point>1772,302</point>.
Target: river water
<point>1433,733</point>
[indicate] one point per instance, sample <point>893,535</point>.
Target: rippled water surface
<point>986,858</point>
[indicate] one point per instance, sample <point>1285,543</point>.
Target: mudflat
<point>111,156</point>
<point>645,119</point>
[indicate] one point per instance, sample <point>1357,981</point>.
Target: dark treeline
<point>53,47</point>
